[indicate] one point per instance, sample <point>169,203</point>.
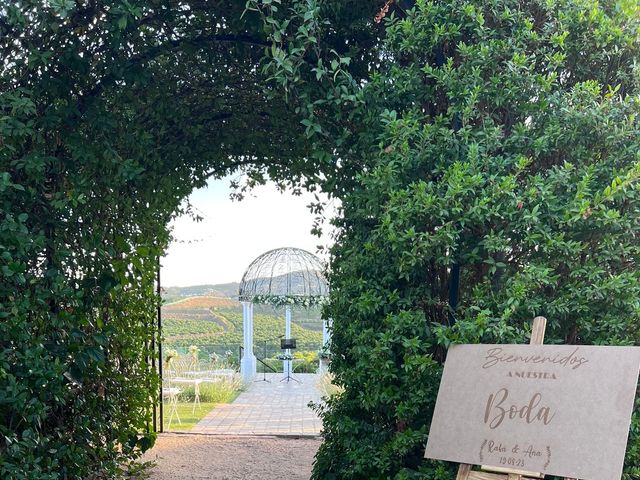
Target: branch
<point>159,49</point>
<point>198,41</point>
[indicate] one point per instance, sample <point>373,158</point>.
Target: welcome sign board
<point>558,410</point>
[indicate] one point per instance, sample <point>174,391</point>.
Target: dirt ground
<point>213,457</point>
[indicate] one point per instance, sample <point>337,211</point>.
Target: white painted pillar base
<point>248,362</point>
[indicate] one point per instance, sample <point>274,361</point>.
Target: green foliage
<point>305,362</point>
<point>111,112</point>
<point>301,364</point>
<point>265,328</point>
<point>500,136</point>
<point>223,391</point>
<point>174,327</point>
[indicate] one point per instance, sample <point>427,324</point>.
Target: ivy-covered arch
<point>500,135</point>
<point>111,113</point>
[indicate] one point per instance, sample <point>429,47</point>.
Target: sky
<point>233,233</point>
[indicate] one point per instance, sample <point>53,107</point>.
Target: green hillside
<point>220,331</point>
<point>177,328</point>
<point>171,294</point>
<point>310,319</point>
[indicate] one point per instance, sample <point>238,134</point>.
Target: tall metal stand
<point>287,344</point>
<point>289,376</point>
<point>264,368</point>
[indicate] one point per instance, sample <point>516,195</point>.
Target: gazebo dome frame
<point>283,277</point>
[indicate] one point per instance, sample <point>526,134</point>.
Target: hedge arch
<point>112,111</point>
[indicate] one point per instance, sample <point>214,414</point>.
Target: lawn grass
<point>188,417</point>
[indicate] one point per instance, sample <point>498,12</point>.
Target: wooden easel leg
<point>463,471</point>
<point>538,330</point>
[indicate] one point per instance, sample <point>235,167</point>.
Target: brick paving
<point>275,408</point>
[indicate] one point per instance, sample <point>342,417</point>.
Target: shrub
<point>223,391</point>
<point>303,362</point>
<point>99,144</point>
<point>501,137</point>
<point>327,387</point>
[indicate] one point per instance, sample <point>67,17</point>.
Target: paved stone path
<point>275,408</point>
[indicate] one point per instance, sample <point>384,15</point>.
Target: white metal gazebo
<point>283,277</point>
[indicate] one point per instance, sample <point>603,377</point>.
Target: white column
<point>325,332</point>
<point>248,362</point>
<point>287,320</point>
<point>326,337</point>
<point>287,365</point>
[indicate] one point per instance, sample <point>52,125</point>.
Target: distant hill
<point>296,283</point>
<point>200,302</point>
<point>225,296</point>
<point>172,294</point>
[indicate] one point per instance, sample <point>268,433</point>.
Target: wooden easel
<point>497,473</point>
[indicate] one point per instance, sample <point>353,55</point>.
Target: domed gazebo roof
<point>282,274</point>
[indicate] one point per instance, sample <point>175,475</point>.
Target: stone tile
<point>268,408</point>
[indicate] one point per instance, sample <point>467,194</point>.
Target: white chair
<point>171,394</point>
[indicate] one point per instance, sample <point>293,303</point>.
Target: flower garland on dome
<point>290,300</point>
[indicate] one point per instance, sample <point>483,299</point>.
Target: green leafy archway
<point>501,136</point>
<point>111,112</point>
